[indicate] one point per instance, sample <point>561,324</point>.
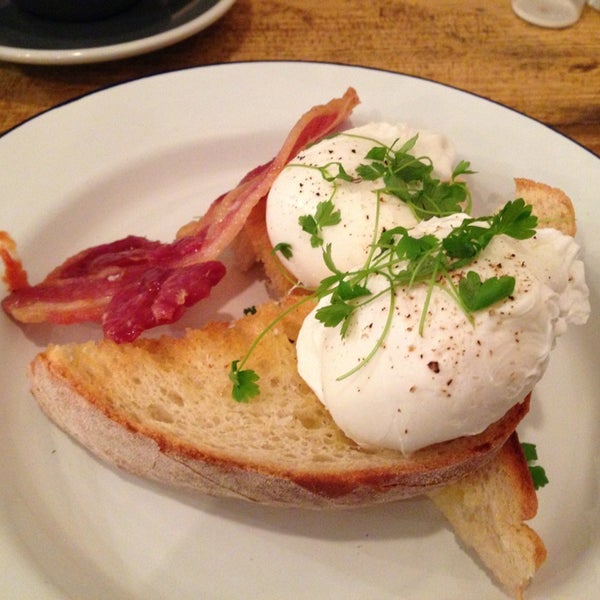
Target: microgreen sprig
<point>410,179</point>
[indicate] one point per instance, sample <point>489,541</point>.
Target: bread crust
<point>119,440</point>
<point>551,205</point>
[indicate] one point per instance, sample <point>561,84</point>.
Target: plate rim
<point>257,62</point>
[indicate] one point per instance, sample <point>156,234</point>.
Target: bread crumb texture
<point>180,390</point>
<point>550,205</point>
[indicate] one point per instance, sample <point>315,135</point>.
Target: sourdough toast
<point>487,510</point>
<point>162,408</point>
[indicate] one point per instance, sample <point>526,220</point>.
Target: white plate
<point>145,157</point>
<point>146,26</point>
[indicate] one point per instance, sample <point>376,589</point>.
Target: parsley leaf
<point>284,248</point>
<point>477,295</point>
<point>244,383</point>
<point>333,314</point>
<point>309,225</point>
<point>326,215</point>
<point>515,220</point>
<point>413,249</point>
<point>349,291</point>
<point>341,304</point>
<point>538,474</point>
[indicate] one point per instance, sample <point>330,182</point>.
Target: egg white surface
<point>298,190</point>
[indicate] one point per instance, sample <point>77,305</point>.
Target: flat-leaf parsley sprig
<point>326,214</point>
<point>244,381</point>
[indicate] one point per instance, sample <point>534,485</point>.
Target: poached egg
<point>298,190</point>
<point>457,375</point>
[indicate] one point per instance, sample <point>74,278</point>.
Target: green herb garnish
<point>326,215</point>
<point>477,295</point>
<point>245,380</point>
<point>405,260</point>
<point>284,248</point>
<point>244,383</point>
<point>402,259</point>
<point>410,179</point>
<point>538,474</point>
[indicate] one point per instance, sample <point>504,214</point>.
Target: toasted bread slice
<point>551,205</point>
<point>253,245</point>
<point>487,509</point>
<point>162,408</point>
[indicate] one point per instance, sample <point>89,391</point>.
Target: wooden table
<point>476,45</point>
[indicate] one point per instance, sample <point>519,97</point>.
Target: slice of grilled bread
<point>162,408</point>
<point>487,510</point>
<point>551,205</point>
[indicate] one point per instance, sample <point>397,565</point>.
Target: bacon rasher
<point>133,284</point>
<point>227,215</point>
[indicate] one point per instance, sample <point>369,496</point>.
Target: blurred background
<point>550,74</point>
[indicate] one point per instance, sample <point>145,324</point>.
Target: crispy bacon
<point>158,296</point>
<point>133,284</point>
<point>15,276</point>
<point>227,215</point>
<point>129,286</point>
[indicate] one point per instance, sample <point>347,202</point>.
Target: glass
<point>549,13</point>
